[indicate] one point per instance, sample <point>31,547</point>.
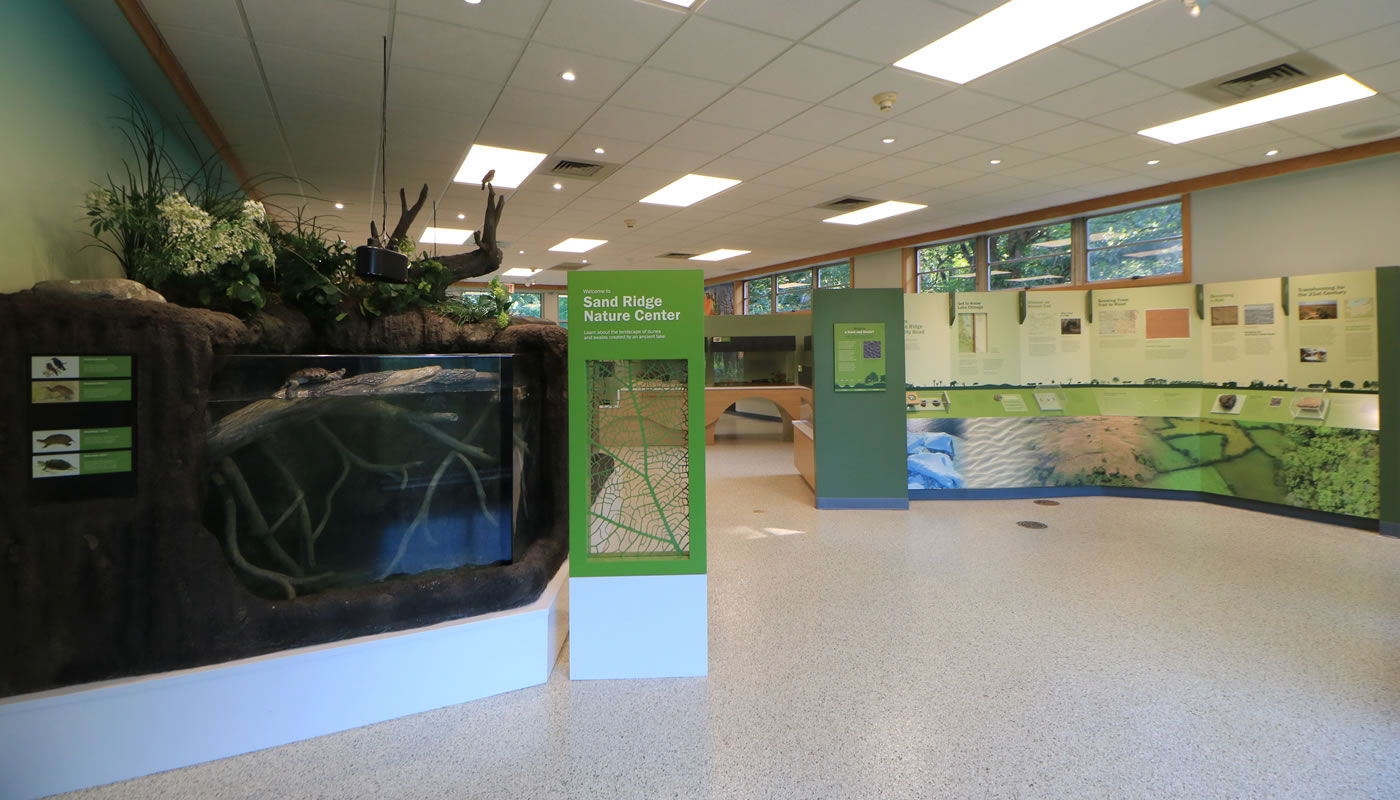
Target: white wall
<point>1330,219</point>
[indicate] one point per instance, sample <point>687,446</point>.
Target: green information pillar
<point>1387,334</point>
<point>637,582</point>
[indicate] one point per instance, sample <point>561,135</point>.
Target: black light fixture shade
<point>381,264</point>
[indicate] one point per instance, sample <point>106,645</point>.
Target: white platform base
<point>652,626</point>
<point>93,734</point>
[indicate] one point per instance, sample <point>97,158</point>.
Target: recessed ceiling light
<point>461,216</point>
<point>994,161</point>
<point>600,151</point>
<point>887,140</point>
<point>512,166</point>
<point>522,252</point>
<point>473,2</point>
<point>518,273</point>
<point>585,261</point>
<point>1154,162</point>
<point>1271,153</point>
<point>689,190</point>
<point>568,76</point>
<point>1010,33</point>
<point>558,186</point>
<point>719,255</point>
<point>1288,103</point>
<point>575,245</point>
<point>339,206</point>
<point>889,208</point>
<point>444,236</point>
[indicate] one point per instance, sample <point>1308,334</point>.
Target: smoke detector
<point>886,100</point>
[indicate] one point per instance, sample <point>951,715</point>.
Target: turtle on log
<point>308,375</point>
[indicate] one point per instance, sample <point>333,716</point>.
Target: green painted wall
<point>59,89</point>
<point>1388,300</point>
<point>859,435</point>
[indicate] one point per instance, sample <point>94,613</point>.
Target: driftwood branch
<point>487,256</point>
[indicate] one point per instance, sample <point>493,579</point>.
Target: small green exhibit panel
<point>638,593</point>
<point>857,397</point>
<point>1265,390</point>
<point>82,415</point>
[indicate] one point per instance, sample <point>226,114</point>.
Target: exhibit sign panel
<point>636,474</point>
<point>1055,338</point>
<point>927,340</point>
<point>1332,339</point>
<point>1246,333</point>
<point>860,357</point>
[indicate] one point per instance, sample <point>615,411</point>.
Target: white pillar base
<point>644,626</point>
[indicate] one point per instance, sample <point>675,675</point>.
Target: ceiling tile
<point>792,177</point>
<point>1383,79</point>
<point>890,168</point>
<point>515,18</point>
<point>1358,134</point>
<point>913,89</point>
<point>1260,137</point>
<point>616,151</point>
<point>234,97</point>
<point>777,149</point>
<point>957,109</point>
<point>213,54</point>
<point>1258,9</point>
<point>707,137</point>
<point>1041,75</point>
<point>631,124</point>
<point>668,92</point>
<point>835,159</point>
<point>332,26</point>
<point>884,31</point>
<point>717,51</point>
<point>1152,31</point>
<point>1070,137</point>
<point>940,176</point>
<point>1356,114</point>
<point>658,157</point>
<point>947,149</point>
<point>528,107</point>
<point>1016,125</point>
<point>1114,149</point>
<point>1043,168</point>
<point>905,137</point>
<point>1227,53</point>
<point>430,45</point>
<point>1156,111</point>
<point>730,167</point>
<point>791,19</point>
<point>541,66</point>
<point>1363,51</point>
<point>497,132</point>
<point>746,108</point>
<point>1324,21</point>
<point>1287,148</point>
<point>411,88</point>
<point>593,28</point>
<point>806,73</point>
<point>1105,94</point>
<point>825,124</point>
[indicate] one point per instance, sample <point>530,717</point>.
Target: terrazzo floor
<point>1133,648</point>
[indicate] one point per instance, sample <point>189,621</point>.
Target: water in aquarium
<point>752,360</point>
<point>334,471</point>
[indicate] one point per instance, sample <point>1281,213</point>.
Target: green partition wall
<point>1388,301</point>
<point>859,434</point>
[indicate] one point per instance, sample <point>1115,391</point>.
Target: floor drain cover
<point>1047,502</point>
<point>1025,523</point>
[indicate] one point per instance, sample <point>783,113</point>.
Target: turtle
<point>56,439</point>
<point>59,390</point>
<point>310,375</point>
<point>55,465</point>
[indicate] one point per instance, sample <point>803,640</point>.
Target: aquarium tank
<point>335,471</point>
<point>752,360</point>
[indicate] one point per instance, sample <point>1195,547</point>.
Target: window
<point>950,267</point>
<point>527,304</point>
<point>758,296</point>
<point>792,291</point>
<point>1140,243</point>
<point>1028,257</point>
<point>563,309</point>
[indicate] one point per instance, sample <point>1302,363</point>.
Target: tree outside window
<point>1029,257</point>
<point>1138,243</point>
<point>950,267</point>
<point>527,304</point>
<point>563,309</point>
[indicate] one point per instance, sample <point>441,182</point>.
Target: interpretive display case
<point>752,360</point>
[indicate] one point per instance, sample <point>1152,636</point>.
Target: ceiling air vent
<point>1264,79</point>
<point>581,170</point>
<point>677,255</point>
<point>570,266</point>
<point>847,203</point>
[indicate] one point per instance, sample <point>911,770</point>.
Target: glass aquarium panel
<point>640,481</point>
<point>338,471</point>
<point>753,360</point>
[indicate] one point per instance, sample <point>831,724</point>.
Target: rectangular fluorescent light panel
<point>689,190</point>
<point>1319,94</point>
<point>1010,33</point>
<point>577,245</point>
<point>719,255</point>
<point>681,3</point>
<point>889,208</point>
<point>444,236</point>
<point>512,166</point>
<point>519,273</point>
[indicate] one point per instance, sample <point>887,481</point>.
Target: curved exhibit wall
<point>1265,391</point>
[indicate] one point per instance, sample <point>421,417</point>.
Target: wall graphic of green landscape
<point>1320,468</point>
